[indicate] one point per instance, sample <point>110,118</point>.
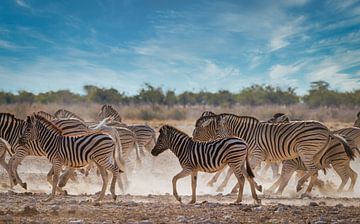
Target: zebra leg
<point>343,171</point>
<point>56,167</point>
<point>302,180</point>
<point>226,180</point>
<point>115,175</point>
<point>14,162</point>
<point>214,178</point>
<point>284,180</point>
<point>69,172</point>
<point>313,180</point>
<point>275,170</point>
<point>353,176</point>
<point>178,176</point>
<point>3,162</point>
<point>240,186</point>
<point>105,179</point>
<point>193,187</point>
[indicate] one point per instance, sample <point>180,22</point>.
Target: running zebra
<point>145,135</point>
<point>10,130</point>
<point>272,142</point>
<point>336,155</point>
<point>73,151</point>
<point>206,157</point>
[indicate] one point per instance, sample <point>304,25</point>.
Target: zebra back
<point>11,128</point>
<point>108,111</point>
<point>207,113</point>
<point>46,115</point>
<point>63,113</point>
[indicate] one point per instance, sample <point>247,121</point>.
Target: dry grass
<point>161,114</point>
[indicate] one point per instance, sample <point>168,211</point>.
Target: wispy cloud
<point>22,3</point>
<point>8,45</point>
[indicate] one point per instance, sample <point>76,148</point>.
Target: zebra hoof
<point>24,185</point>
<point>114,197</point>
<point>259,188</point>
<point>305,195</point>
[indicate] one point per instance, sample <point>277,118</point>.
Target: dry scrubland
<point>148,196</point>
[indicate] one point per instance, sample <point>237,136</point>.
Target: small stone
<point>145,222</point>
<point>313,203</point>
<point>279,209</point>
<point>30,210</point>
<point>181,219</point>
<point>76,221</point>
<point>339,205</point>
<point>258,209</point>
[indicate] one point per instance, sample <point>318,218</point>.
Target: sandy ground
<point>148,198</point>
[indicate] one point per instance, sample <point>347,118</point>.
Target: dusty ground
<point>148,198</point>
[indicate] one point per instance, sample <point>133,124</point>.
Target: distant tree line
<point>319,95</point>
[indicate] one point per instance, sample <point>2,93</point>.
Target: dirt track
<point>148,199</point>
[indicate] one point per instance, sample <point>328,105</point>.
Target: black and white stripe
<point>73,151</point>
<point>206,157</point>
<point>273,141</point>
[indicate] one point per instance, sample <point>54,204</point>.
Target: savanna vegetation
<point>155,103</point>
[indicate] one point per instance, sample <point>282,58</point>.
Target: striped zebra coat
<point>273,141</point>
<point>145,135</point>
<point>336,155</point>
<point>73,151</point>
<point>206,157</point>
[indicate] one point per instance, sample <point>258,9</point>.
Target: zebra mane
<point>168,128</point>
<point>46,115</point>
<point>207,113</point>
<point>47,123</point>
<point>205,118</point>
<point>67,114</point>
<point>219,117</point>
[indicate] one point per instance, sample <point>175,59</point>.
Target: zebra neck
<point>10,130</point>
<point>179,145</point>
<point>48,138</point>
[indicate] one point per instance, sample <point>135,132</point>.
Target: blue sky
<point>180,45</point>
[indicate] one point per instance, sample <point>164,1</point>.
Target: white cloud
<point>330,72</point>
<point>22,3</point>
<point>281,34</point>
<point>7,45</point>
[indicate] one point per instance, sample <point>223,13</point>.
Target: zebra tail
<point>248,168</point>
<point>119,157</point>
<point>349,152</point>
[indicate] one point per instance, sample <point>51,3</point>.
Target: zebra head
<point>206,128</point>
<point>357,122</point>
<point>279,118</point>
<point>29,133</point>
<point>162,142</point>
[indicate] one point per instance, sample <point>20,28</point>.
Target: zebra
<point>108,111</point>
<point>272,141</point>
<point>145,135</point>
<point>10,130</point>
<point>73,151</point>
<point>335,155</point>
<point>206,157</point>
<point>63,113</point>
<point>357,121</point>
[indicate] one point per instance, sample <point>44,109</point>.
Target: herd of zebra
<point>240,143</point>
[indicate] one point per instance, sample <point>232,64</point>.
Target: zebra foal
<point>205,157</point>
<point>73,151</point>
